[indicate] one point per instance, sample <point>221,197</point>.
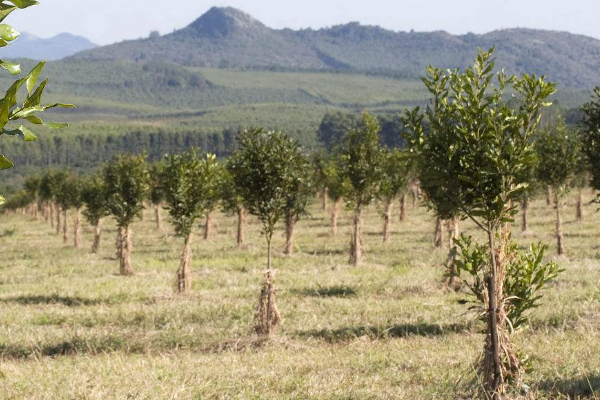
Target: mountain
<point>230,38</point>
<point>54,48</point>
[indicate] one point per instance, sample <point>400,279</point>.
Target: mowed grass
<point>71,328</point>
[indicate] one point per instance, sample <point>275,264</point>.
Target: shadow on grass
<point>327,252</point>
<point>127,345</point>
<point>69,347</point>
<point>378,332</point>
<point>580,387</point>
<point>330,291</point>
<point>69,301</point>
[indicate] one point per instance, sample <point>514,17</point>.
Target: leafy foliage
<point>591,136</point>
<point>526,275</point>
<point>473,160</point>
<point>191,187</point>
<point>559,157</point>
<point>126,186</point>
<point>93,193</point>
<point>10,111</point>
<point>362,162</point>
<point>395,174</point>
<point>264,169</point>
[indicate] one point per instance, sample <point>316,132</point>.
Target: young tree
<point>232,202</point>
<point>302,189</point>
<point>319,161</point>
<point>190,183</point>
<point>591,136</point>
<point>57,181</point>
<point>126,185</point>
<point>10,111</point>
<point>558,154</point>
<point>395,179</point>
<point>93,195</point>
<point>69,197</point>
<point>263,170</point>
<point>32,187</point>
<point>361,164</point>
<point>48,195</point>
<point>337,187</point>
<point>472,161</point>
<point>156,193</point>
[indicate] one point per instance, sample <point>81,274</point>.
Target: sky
<point>106,22</point>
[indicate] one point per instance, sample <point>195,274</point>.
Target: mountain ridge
<point>230,38</point>
<point>53,48</point>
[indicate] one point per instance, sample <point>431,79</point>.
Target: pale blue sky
<point>110,21</point>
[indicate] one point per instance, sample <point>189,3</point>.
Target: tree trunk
<point>559,232</point>
<point>454,233</point>
<point>46,212</point>
<point>493,368</point>
<point>387,217</point>
<point>77,229</point>
<point>52,206</point>
<point>267,314</point>
<point>184,274</point>
<point>208,226</point>
<point>356,245</point>
<point>525,215</point>
<point>439,233</point>
<point>158,217</point>
<point>334,217</point>
<point>325,198</point>
<point>125,251</point>
<point>97,236</point>
<point>290,224</point>
<point>58,220</point>
<point>65,227</point>
<point>415,194</point>
<point>402,216</point>
<point>548,195</point>
<point>241,226</point>
<point>579,214</point>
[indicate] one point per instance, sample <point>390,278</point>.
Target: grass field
<point>70,328</point>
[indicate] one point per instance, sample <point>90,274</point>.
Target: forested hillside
<point>228,38</point>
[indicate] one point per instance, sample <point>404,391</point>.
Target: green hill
<point>229,38</point>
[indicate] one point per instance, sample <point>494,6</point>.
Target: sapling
<point>126,186</point>
<point>190,183</point>
<point>361,165</point>
<point>559,156</point>
<point>263,171</point>
<point>471,162</point>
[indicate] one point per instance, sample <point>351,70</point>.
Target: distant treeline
<point>86,151</point>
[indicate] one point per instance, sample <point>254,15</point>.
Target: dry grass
<point>70,328</point>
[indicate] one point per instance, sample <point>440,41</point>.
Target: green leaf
<point>34,120</point>
<point>35,99</point>
<point>14,69</point>
<point>5,10</point>
<point>2,200</point>
<point>5,163</point>
<point>8,33</point>
<point>24,3</point>
<point>56,125</point>
<point>33,76</point>
<point>23,132</point>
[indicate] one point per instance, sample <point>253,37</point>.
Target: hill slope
<point>227,37</point>
<point>54,48</point>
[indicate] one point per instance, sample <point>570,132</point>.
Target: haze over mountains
<point>227,37</point>
<point>54,48</point>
